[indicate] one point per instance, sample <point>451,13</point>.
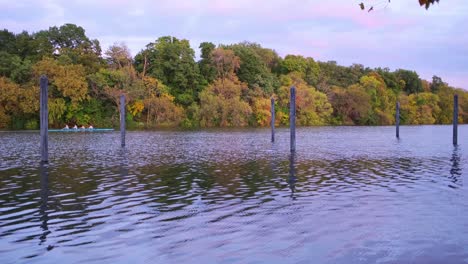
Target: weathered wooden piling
<point>272,119</point>
<point>292,118</point>
<point>397,120</point>
<point>122,119</point>
<point>44,119</point>
<point>455,119</point>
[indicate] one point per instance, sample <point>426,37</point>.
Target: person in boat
<point>82,127</point>
<point>90,127</point>
<point>66,127</point>
<point>75,127</point>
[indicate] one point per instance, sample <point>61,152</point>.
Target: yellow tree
<point>445,103</point>
<point>8,100</point>
<point>261,109</point>
<point>19,101</point>
<point>382,100</point>
<point>67,81</point>
<point>312,106</point>
<point>161,109</point>
<point>67,88</point>
<point>423,108</point>
<point>221,104</point>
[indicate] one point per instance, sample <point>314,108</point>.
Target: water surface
<point>348,195</point>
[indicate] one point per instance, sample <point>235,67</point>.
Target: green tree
<point>307,67</point>
<point>207,70</point>
<point>436,84</point>
<point>172,61</point>
<point>70,42</point>
<point>253,67</point>
<point>410,80</point>
<point>332,74</point>
<point>7,41</point>
<point>391,79</point>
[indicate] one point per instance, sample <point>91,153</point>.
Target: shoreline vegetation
<point>222,129</point>
<point>229,86</point>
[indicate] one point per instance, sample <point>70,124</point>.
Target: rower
<point>83,127</point>
<point>91,127</point>
<point>66,127</point>
<point>75,127</point>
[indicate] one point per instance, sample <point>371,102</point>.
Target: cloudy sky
<point>398,35</point>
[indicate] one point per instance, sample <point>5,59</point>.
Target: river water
<point>348,195</point>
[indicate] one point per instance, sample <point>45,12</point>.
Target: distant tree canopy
<point>230,85</point>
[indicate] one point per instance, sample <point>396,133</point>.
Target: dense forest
<point>230,85</point>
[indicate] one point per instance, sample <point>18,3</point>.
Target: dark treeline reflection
<point>224,196</point>
<point>177,184</point>
<point>44,174</point>
<point>292,173</point>
<point>71,200</point>
<point>455,171</point>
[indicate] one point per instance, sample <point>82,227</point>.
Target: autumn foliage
<point>229,86</point>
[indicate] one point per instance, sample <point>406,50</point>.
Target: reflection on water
<point>455,171</point>
<point>348,195</point>
<point>292,173</point>
<point>44,174</point>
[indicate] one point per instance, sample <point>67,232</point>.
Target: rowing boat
<point>82,130</point>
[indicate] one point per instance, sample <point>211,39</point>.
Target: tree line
<point>229,86</point>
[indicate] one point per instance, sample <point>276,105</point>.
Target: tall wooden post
<point>292,118</point>
<point>122,119</point>
<point>272,119</point>
<point>44,119</point>
<point>397,120</point>
<point>455,119</point>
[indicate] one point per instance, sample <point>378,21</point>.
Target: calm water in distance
<point>348,195</point>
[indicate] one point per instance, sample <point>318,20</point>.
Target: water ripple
<point>349,195</point>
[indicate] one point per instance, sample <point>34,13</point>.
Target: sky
<point>400,34</point>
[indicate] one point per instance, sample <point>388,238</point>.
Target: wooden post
<point>292,118</point>
<point>44,119</point>
<point>455,119</point>
<point>122,119</point>
<point>272,119</point>
<point>397,120</point>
